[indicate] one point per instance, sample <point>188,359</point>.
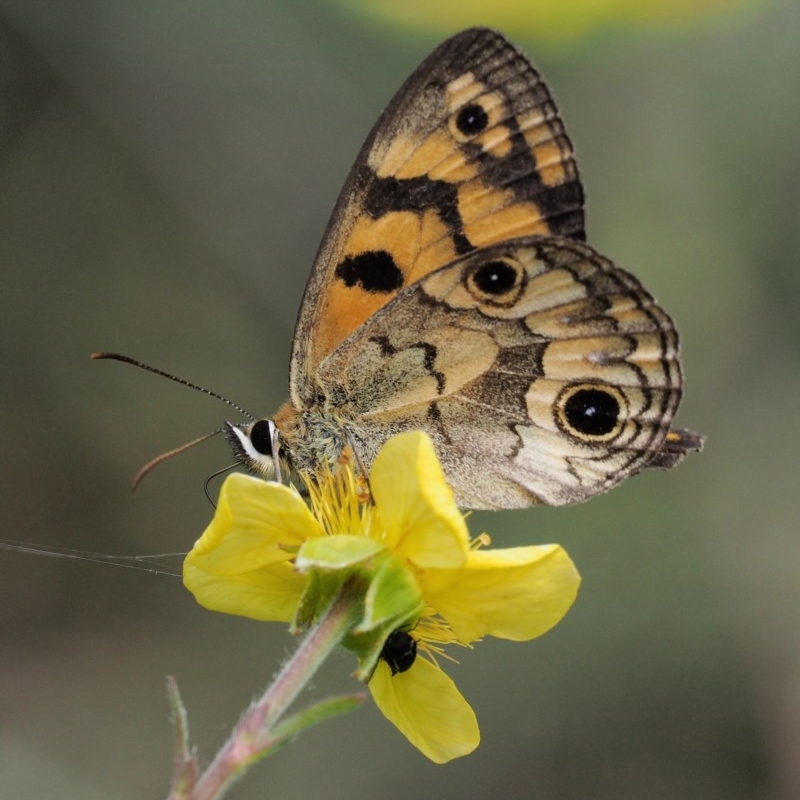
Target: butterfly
<point>453,292</point>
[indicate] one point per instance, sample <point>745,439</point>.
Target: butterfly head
<point>256,446</point>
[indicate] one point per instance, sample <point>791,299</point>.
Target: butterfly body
<point>453,293</point>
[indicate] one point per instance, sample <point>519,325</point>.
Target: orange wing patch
<point>470,152</point>
<point>435,158</point>
<point>492,215</point>
<point>382,255</point>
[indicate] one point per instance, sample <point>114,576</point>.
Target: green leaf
<point>290,729</point>
<point>184,770</point>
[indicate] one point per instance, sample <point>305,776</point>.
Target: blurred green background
<point>166,172</point>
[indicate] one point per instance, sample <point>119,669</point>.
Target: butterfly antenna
<point>152,464</point>
<point>182,381</point>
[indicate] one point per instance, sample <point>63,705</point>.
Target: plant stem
<point>319,643</point>
<point>252,736</point>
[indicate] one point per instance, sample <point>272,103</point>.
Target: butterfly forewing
<point>471,151</point>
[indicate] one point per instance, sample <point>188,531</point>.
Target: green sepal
<point>321,590</point>
<point>337,552</point>
<point>393,595</point>
<point>367,649</point>
<point>329,562</point>
<point>393,602</point>
<point>391,598</point>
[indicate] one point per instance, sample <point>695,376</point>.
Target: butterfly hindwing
<point>471,151</point>
<point>542,372</point>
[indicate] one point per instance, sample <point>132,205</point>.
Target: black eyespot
<point>399,651</point>
<point>496,277</point>
<point>373,271</point>
<point>496,282</point>
<point>592,411</point>
<point>472,120</point>
<point>261,437</point>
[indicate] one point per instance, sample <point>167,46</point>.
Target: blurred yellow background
<point>167,170</point>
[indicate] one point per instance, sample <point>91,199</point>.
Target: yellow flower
<point>405,556</point>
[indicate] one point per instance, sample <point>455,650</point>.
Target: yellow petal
<point>416,505</point>
<point>427,708</point>
<point>270,593</point>
<point>517,593</point>
<point>240,563</point>
<point>255,521</point>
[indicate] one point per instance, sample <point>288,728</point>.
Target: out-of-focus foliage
<point>549,23</point>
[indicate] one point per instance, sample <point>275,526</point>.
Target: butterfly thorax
<point>309,438</point>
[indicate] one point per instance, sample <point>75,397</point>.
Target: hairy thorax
<point>310,438</point>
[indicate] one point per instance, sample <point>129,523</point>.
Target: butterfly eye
<point>497,282</point>
<point>591,412</point>
<point>261,437</point>
<point>399,651</point>
<point>471,120</point>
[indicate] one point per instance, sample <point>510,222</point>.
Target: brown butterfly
<point>453,292</point>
